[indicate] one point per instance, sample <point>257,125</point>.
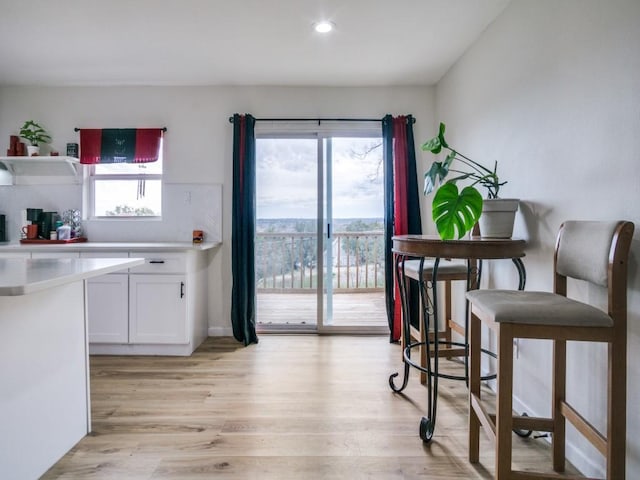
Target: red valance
<point>120,145</point>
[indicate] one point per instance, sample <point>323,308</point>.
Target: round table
<point>474,250</point>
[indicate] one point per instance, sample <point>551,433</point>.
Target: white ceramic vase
<point>33,150</point>
<point>498,217</point>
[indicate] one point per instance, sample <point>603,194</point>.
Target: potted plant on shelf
<point>35,135</point>
<point>456,212</point>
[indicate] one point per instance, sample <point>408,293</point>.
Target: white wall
<point>198,143</point>
<point>551,90</point>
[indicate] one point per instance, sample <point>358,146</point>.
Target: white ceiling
<point>236,42</point>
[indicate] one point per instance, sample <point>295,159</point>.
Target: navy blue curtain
<point>401,206</point>
<point>387,155</point>
<point>243,292</point>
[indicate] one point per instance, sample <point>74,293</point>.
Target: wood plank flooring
<point>291,407</point>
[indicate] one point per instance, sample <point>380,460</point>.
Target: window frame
<point>90,177</point>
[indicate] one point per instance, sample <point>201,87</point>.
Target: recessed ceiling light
<point>323,27</point>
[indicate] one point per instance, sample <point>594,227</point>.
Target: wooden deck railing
<point>288,261</point>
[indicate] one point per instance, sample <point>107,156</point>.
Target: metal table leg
<point>406,336</point>
<point>430,311</point>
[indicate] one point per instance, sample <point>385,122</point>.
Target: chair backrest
<point>583,249</point>
<point>596,252</point>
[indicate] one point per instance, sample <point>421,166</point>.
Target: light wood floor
<point>291,407</point>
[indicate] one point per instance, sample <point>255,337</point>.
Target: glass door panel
<point>286,239</point>
<point>354,251</point>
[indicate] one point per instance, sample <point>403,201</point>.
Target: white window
<point>126,190</point>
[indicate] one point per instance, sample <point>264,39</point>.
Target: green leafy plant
<point>456,212</point>
<point>34,133</point>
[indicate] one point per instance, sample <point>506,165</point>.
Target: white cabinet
<point>165,300</point>
<point>157,309</point>
<point>108,308</point>
<point>108,303</point>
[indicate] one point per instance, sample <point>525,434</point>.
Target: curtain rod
<point>164,129</point>
<point>413,120</point>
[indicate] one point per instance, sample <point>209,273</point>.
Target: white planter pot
<point>33,150</point>
<point>498,217</point>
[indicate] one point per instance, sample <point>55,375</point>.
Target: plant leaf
<point>441,130</point>
<point>455,213</point>
<point>434,176</point>
<point>433,145</point>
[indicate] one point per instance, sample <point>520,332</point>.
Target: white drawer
<point>104,254</point>
<point>15,255</point>
<point>160,262</point>
<point>55,255</point>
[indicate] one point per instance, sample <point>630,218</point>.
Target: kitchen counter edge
<point>23,277</point>
<point>101,246</point>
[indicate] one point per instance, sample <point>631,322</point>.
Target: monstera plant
<point>454,211</point>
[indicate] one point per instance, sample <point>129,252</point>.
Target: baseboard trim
<point>220,332</point>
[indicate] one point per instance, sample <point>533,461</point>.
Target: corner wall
<point>551,91</point>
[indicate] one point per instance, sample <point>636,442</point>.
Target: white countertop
<point>20,276</point>
<point>88,246</point>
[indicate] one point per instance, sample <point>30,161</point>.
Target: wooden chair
<point>448,271</point>
<point>596,252</point>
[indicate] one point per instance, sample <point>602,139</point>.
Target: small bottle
<point>64,232</point>
<point>53,235</point>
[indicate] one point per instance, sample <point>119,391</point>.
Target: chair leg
<point>617,408</point>
<point>475,344</point>
<point>559,377</point>
<point>504,402</point>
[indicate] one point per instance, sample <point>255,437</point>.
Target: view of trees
<point>364,248</point>
<point>128,211</point>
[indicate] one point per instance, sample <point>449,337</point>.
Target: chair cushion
<point>537,308</point>
<point>445,267</point>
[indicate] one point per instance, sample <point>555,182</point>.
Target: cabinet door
<point>157,309</point>
<point>108,308</point>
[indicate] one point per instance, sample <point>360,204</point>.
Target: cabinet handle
<point>156,261</point>
<point>181,289</point>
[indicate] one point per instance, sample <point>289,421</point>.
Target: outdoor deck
<point>349,309</point>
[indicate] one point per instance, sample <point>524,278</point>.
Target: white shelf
<point>41,166</point>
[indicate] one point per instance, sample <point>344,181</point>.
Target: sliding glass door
<point>319,234</point>
<point>354,251</point>
<point>287,279</point>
